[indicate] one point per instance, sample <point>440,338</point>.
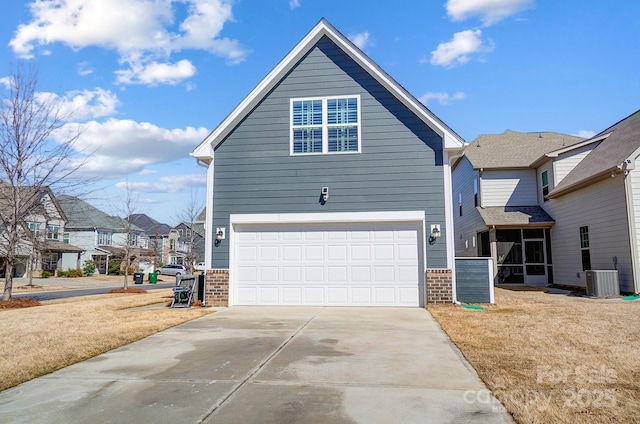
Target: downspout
<point>448,190</point>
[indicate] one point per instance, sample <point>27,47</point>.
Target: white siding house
<point>600,197</point>
<point>554,206</point>
<point>502,215</point>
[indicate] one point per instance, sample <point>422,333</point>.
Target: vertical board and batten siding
<point>466,226</point>
<point>474,280</point>
<point>400,167</point>
<point>601,207</point>
<point>509,188</point>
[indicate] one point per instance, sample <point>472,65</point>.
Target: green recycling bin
<point>153,278</point>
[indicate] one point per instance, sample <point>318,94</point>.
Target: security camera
<point>325,193</point>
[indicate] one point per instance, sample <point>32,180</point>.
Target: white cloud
<point>124,147</point>
<point>360,39</point>
<point>294,4</point>
<point>489,11</point>
<point>154,73</point>
<point>442,98</point>
<point>167,184</point>
<point>139,30</point>
<point>585,133</point>
<point>85,104</point>
<point>85,69</point>
<point>457,51</point>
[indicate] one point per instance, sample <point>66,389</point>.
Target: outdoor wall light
<point>435,233</point>
<point>220,235</point>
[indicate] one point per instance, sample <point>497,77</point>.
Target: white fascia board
<point>451,139</point>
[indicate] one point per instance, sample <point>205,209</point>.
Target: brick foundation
<point>216,287</point>
<point>439,286</point>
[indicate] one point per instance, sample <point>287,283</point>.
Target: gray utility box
<point>602,283</point>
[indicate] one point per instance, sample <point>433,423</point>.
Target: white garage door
<point>333,264</point>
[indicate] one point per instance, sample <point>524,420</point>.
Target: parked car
<point>172,269</point>
<point>199,266</point>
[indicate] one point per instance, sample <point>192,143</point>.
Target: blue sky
<point>149,79</point>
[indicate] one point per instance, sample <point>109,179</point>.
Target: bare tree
<point>30,160</point>
<point>129,206</point>
<point>187,217</point>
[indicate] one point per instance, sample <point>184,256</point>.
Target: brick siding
<point>439,286</point>
<point>216,290</point>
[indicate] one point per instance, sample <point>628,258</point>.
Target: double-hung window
<point>104,238</point>
<point>325,125</point>
<point>545,184</point>
<point>53,232</point>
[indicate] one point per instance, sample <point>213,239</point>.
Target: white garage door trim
<point>400,220</point>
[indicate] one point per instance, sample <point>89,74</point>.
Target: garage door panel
<point>338,274</point>
<point>314,253</point>
<point>269,253</point>
<point>291,274</point>
<point>338,295</point>
<point>269,274</point>
<point>384,274</point>
<point>342,264</point>
<point>292,295</point>
<point>362,296</point>
<point>314,273</point>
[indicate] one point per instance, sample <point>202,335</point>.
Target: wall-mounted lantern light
<point>435,233</point>
<point>220,235</point>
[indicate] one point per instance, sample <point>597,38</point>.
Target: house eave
<point>584,183</point>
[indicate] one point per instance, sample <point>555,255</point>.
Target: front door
<point>534,263</point>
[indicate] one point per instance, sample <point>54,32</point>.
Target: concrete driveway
<point>270,365</point>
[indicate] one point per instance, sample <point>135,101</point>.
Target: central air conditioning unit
<point>601,283</point>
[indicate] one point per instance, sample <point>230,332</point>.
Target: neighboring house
<point>596,207</point>
<point>498,210</point>
<point>548,207</point>
<point>42,246</point>
<point>191,243</point>
<point>162,237</point>
<point>103,236</point>
<point>329,185</point>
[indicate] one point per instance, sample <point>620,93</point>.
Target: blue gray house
<point>329,184</point>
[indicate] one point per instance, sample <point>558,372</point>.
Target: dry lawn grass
<point>39,340</point>
<point>551,358</point>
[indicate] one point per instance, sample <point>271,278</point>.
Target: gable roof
<point>619,143</point>
<point>204,151</point>
<point>83,216</point>
<point>513,149</point>
<point>31,201</point>
<point>150,225</point>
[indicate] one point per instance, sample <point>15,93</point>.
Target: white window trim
<point>325,126</point>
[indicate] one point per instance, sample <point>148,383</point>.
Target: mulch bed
<point>23,302</point>
<point>129,290</point>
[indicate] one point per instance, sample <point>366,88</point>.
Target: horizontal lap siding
<point>399,168</point>
<point>470,223</point>
<point>601,207</point>
<point>473,281</point>
<point>509,188</point>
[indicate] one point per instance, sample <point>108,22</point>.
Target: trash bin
<point>137,277</point>
<point>153,278</point>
